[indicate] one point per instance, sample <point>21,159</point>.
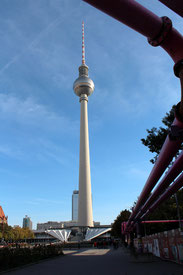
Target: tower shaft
<point>85,212</point>
<point>83,87</point>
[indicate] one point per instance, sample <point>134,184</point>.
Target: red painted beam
<point>129,12</point>
<point>162,221</point>
<point>167,194</point>
<point>168,151</point>
<point>142,20</point>
<point>123,224</point>
<point>172,173</point>
<point>175,5</point>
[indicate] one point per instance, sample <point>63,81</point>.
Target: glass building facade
<point>27,223</point>
<point>75,197</point>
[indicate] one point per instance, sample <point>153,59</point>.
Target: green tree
<point>156,136</point>
<point>15,234</point>
<point>116,227</point>
<point>27,233</point>
<point>166,211</point>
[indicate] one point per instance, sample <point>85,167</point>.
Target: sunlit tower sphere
<point>83,84</point>
<point>84,87</point>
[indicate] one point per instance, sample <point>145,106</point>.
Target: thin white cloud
<point>36,132</point>
<point>138,170</point>
<point>50,27</point>
<point>10,152</point>
<point>32,44</point>
<point>57,153</point>
<point>27,112</point>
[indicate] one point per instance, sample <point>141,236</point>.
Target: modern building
<point>27,223</point>
<point>49,225</point>
<point>59,225</point>
<point>84,87</point>
<point>75,197</point>
<point>49,236</point>
<point>56,225</point>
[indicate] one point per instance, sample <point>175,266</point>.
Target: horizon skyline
<point>39,119</point>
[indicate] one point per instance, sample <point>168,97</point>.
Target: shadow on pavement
<point>101,262</point>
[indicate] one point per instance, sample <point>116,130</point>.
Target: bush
<point>12,257</point>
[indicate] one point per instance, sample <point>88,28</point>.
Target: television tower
<point>84,87</point>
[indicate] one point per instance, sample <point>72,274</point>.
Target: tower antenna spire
<point>83,45</point>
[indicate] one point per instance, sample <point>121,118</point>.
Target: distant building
<point>60,225</point>
<point>75,197</point>
<point>55,225</point>
<point>49,225</point>
<point>27,223</point>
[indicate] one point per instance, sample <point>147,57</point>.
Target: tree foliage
<point>116,227</point>
<point>157,136</point>
<point>9,233</point>
<point>166,211</point>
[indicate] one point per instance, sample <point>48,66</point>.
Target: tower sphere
<point>83,84</point>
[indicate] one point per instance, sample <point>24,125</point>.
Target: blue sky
<point>39,112</point>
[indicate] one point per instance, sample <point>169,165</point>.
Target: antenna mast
<point>83,45</point>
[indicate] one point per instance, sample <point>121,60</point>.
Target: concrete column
<point>85,213</point>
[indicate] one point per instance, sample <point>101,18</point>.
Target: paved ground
<point>103,262</point>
